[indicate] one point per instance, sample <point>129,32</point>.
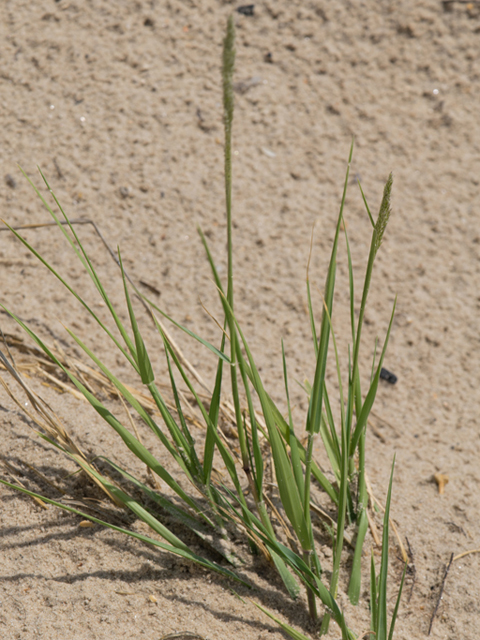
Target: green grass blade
<point>327,420</point>
<point>293,633</point>
<point>188,555</point>
<point>397,604</point>
<point>142,513</point>
<point>382,583</point>
<point>332,453</point>
<point>257,468</point>
<point>179,514</point>
<point>185,442</point>
<point>285,431</point>
<point>355,582</point>
<point>165,413</point>
<point>333,440</point>
<point>211,262</point>
<point>78,252</point>
<point>143,361</point>
<point>373,595</point>
<point>312,319</point>
<point>292,440</point>
<point>316,400</point>
<point>216,352</point>
<point>75,294</point>
<point>85,260</point>
<point>213,414</point>
<point>366,205</point>
<point>351,286</point>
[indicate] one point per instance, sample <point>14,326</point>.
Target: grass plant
<point>229,505</point>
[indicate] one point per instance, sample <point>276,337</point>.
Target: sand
<point>120,106</point>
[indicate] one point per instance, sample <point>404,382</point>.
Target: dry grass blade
<point>48,422</point>
<point>226,407</point>
<point>33,364</point>
<point>466,553</point>
<point>182,635</point>
<point>153,478</point>
<point>14,474</point>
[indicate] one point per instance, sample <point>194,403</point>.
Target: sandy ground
<point>119,103</point>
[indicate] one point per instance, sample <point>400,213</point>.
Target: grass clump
<point>296,561</point>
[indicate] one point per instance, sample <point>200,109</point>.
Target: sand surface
<point>119,103</point>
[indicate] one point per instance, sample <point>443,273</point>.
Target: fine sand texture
<point>120,105</point>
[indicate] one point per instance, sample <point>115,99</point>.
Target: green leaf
<point>293,633</point>
<point>75,294</point>
<point>141,355</point>
<point>292,440</point>
<point>179,551</point>
<point>316,400</point>
<point>216,352</point>
<point>373,595</point>
<point>397,604</point>
<point>382,582</point>
<point>213,414</point>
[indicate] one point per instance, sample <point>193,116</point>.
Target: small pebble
<point>10,181</point>
<point>125,192</point>
<point>246,9</point>
<point>388,376</point>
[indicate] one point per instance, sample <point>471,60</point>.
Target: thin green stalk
<point>377,237</point>
<point>228,110</point>
<point>228,104</point>
<point>316,399</point>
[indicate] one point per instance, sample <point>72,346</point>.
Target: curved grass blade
<point>84,259</point>
<point>179,551</point>
<point>139,450</point>
<point>75,294</point>
<point>216,352</point>
<point>177,513</point>
<point>140,353</point>
<point>293,633</point>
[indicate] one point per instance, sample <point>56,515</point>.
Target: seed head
<point>384,213</point>
<point>227,72</point>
